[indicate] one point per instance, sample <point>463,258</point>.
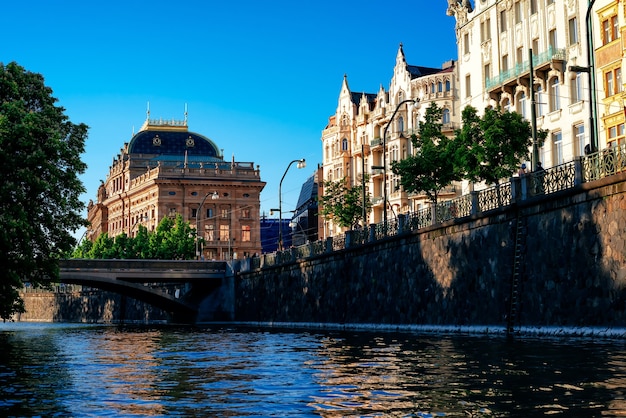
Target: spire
<point>185,113</point>
<point>400,58</point>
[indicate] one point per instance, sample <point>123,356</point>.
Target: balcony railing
<point>551,54</point>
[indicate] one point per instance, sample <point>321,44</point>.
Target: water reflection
<point>52,370</point>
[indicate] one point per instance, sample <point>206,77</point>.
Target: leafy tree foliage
<point>431,168</point>
<point>490,148</point>
<point>173,239</point>
<point>343,205</point>
<point>40,162</point>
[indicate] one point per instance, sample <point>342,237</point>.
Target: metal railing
<point>558,178</point>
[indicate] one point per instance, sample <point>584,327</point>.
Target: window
<point>609,30</point>
<point>447,85</point>
<point>533,7</point>
<point>555,99</point>
<point>503,21</point>
<point>505,63</point>
<point>466,45</point>
<point>535,46</point>
<point>209,233</point>
<point>194,212</point>
<point>552,39</point>
<point>520,55</point>
<point>209,212</point>
<point>487,72</point>
<point>550,2</point>
<point>506,105</point>
<point>344,144</point>
<point>539,96</point>
<point>224,232</point>
<point>518,12</point>
<point>468,86</point>
<point>445,116</point>
<point>400,124</point>
<point>573,31</point>
<point>521,105</point>
<point>576,94</point>
<point>245,212</point>
<point>245,233</point>
<point>609,85</point>
<point>224,213</point>
<point>439,87</point>
<point>485,30</point>
<point>557,148</point>
<point>579,139</point>
<point>432,88</point>
<point>616,135</point>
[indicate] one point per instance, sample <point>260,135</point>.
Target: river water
<point>64,370</point>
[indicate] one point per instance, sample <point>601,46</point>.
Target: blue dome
<point>172,143</point>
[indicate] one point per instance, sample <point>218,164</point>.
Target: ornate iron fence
<point>494,197</point>
<point>561,177</point>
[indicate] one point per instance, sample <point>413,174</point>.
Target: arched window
<point>447,85</point>
<point>445,116</point>
<point>400,124</point>
<point>521,104</point>
<point>344,144</point>
<point>506,105</point>
<point>439,87</point>
<point>432,87</point>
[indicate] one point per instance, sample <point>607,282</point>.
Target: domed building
<point>167,170</point>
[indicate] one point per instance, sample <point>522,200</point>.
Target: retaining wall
<point>460,273</point>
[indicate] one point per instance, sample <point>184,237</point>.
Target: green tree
<point>343,205</point>
<point>490,148</point>
<point>430,169</point>
<point>40,162</point>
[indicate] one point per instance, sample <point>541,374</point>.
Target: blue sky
<point>259,78</point>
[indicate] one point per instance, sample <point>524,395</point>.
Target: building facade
<point>496,40</point>
<point>166,170</point>
<point>352,141</point>
<point>609,26</point>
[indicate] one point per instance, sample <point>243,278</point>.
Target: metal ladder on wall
<point>514,298</point>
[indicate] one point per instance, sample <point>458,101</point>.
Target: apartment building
<point>352,141</point>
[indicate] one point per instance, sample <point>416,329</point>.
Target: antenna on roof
<point>148,112</point>
<point>185,113</point>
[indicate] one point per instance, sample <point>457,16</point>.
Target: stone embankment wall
<point>572,257</point>
<point>88,306</point>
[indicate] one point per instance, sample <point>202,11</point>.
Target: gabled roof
<point>419,71</point>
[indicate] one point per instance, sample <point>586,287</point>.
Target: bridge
<point>175,286</point>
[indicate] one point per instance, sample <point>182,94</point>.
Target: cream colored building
<point>352,142</point>
<point>495,39</point>
<point>167,170</point>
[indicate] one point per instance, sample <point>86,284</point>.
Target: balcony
<point>376,142</point>
<point>539,61</point>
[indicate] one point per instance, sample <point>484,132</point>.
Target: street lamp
<point>301,164</point>
<point>384,166</point>
<point>214,196</point>
<point>593,135</point>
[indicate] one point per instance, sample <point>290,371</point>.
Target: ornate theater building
<point>167,170</point>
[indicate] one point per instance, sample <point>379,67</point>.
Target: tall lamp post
<point>384,166</point>
<point>593,134</point>
<point>301,164</point>
<point>214,196</point>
